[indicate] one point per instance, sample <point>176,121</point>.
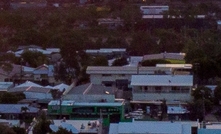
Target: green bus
<point>109,112</point>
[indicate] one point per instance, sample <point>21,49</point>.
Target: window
<point>83,110</point>
<point>158,89</point>
<point>106,74</point>
<point>175,90</point>
<point>145,88</point>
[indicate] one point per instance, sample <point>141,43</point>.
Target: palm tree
<point>24,111</point>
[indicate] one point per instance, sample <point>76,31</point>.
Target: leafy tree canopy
<point>62,131</point>
<point>11,98</point>
<point>120,61</point>
<point>202,93</point>
<point>34,58</point>
<point>42,126</point>
<point>6,130</point>
<point>100,61</point>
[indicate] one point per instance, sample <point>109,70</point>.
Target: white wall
<point>98,78</point>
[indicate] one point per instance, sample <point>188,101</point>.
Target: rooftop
<point>90,88</point>
<point>16,108</point>
<point>123,70</point>
<point>153,127</point>
<point>162,80</point>
<point>73,103</point>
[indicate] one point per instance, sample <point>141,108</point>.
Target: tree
<point>120,61</point>
<point>196,110</point>
<point>202,93</point>
<point>61,72</point>
<point>100,61</point>
<point>42,126</point>
<point>11,98</point>
<point>19,130</point>
<point>142,44</point>
<point>24,111</point>
<point>34,58</point>
<point>6,130</point>
<point>164,109</point>
<point>204,71</point>
<point>217,94</point>
<point>62,131</point>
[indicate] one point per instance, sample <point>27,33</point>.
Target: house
<point>38,93</point>
<point>159,87</point>
<point>153,127</point>
<point>77,126</point>
<point>153,10</point>
<point>179,69</point>
<point>33,91</point>
<point>121,76</point>
<point>165,55</point>
<point>108,52</point>
<point>134,60</point>
<point>28,4</point>
<point>111,23</point>
<point>209,128</point>
<point>44,73</point>
<point>47,51</point>
<point>5,86</point>
<point>14,111</point>
<point>91,93</point>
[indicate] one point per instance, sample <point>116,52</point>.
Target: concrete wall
<point>98,78</point>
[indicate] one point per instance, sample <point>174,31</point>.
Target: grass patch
<point>172,61</point>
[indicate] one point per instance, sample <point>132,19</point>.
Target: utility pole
<point>100,130</point>
<point>204,111</point>
<point>60,101</point>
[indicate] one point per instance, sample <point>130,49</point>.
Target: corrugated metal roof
<point>43,69</point>
<point>38,89</point>
<point>150,127</point>
<point>177,56</point>
<point>28,84</point>
<point>5,85</point>
<point>90,88</point>
<point>162,80</point>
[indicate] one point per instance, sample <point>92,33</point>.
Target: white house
<point>159,87</point>
<point>121,76</point>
